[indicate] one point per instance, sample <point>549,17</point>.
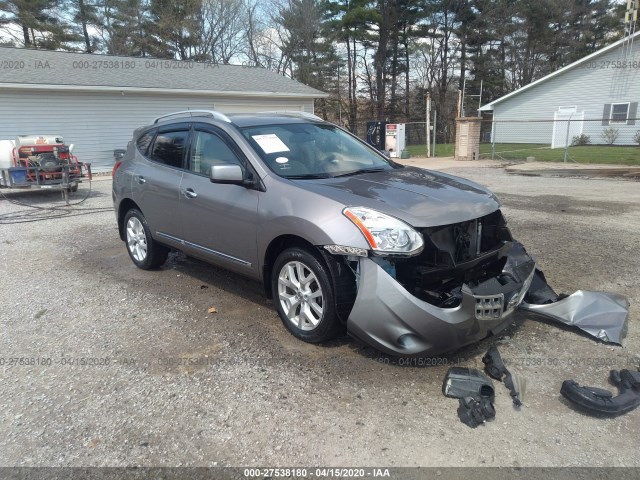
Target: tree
<point>86,17</point>
<point>264,41</point>
<point>308,45</point>
<point>349,21</point>
<point>173,26</point>
<point>127,28</point>
<point>36,22</point>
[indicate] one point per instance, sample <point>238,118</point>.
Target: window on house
<point>619,113</point>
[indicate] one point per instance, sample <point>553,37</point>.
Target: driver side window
<point>209,149</point>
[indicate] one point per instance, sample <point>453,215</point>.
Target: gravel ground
<point>246,392</point>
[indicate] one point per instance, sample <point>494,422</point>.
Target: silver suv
<point>408,260</point>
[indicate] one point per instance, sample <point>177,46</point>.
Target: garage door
<point>98,123</point>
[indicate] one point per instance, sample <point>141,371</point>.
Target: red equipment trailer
<point>41,162</point>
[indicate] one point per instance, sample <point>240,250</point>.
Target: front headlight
<point>385,234</point>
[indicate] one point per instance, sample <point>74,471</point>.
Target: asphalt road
<point>125,367</point>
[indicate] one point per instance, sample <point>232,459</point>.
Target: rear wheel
<point>145,252</point>
<point>304,296</point>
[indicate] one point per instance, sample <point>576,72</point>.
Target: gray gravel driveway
<point>127,367</point>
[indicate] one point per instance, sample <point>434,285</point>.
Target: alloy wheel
<point>136,239</point>
<point>300,295</point>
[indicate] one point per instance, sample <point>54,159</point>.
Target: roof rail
<point>212,113</point>
<point>292,113</point>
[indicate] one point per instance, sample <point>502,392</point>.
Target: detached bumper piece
<point>601,315</point>
<point>475,394</point>
<point>598,401</point>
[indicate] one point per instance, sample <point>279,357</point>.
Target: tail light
<point>115,169</point>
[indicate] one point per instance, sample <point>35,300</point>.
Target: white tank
<point>6,153</point>
<point>30,140</point>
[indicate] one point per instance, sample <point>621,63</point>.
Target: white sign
<point>270,143</point>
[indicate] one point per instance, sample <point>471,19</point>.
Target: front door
<point>219,221</point>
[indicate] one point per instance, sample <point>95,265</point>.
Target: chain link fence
<point>416,138</point>
<point>566,138</point>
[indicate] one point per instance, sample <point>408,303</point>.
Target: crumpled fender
<point>600,314</point>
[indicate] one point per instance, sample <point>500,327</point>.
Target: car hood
<point>422,198</point>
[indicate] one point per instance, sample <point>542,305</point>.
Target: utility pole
<point>434,133</point>
<point>339,99</point>
<point>464,88</point>
<point>428,123</point>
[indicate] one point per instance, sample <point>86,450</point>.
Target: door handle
<point>189,193</point>
<point>140,179</point>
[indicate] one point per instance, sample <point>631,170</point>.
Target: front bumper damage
<point>601,315</point>
<point>388,317</point>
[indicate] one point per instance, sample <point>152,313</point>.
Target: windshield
<point>307,150</point>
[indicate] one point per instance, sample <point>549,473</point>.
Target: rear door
<point>219,221</point>
<point>156,181</point>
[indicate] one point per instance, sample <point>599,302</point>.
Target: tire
<point>307,308</point>
<point>144,251</point>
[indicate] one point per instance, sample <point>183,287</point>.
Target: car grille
<point>489,307</point>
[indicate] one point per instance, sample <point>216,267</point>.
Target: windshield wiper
<point>362,170</point>
<point>309,176</point>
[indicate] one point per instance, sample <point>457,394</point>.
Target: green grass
<point>520,151</point>
<point>444,150</point>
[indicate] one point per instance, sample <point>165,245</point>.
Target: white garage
<point>96,101</point>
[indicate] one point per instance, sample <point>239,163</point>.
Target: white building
<point>600,91</point>
<point>96,101</point>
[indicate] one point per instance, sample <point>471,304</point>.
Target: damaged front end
<point>464,284</point>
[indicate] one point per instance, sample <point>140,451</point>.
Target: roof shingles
<point>52,68</point>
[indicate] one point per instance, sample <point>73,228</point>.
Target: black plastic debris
<point>599,401</point>
<point>473,412</point>
<point>497,370</point>
<point>475,393</point>
<point>461,382</point>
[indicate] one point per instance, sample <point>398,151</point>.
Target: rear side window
<point>144,141</point>
<point>168,148</point>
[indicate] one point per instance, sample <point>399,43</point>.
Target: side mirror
<point>71,147</point>
<point>227,174</point>
<point>118,154</point>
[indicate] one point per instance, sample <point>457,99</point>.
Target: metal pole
<point>339,99</point>
<point>434,133</point>
<point>428,130</point>
<point>566,141</point>
<point>464,87</point>
<point>493,138</point>
<point>480,100</point>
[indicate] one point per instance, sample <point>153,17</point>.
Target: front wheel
<point>145,252</point>
<point>304,296</point>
